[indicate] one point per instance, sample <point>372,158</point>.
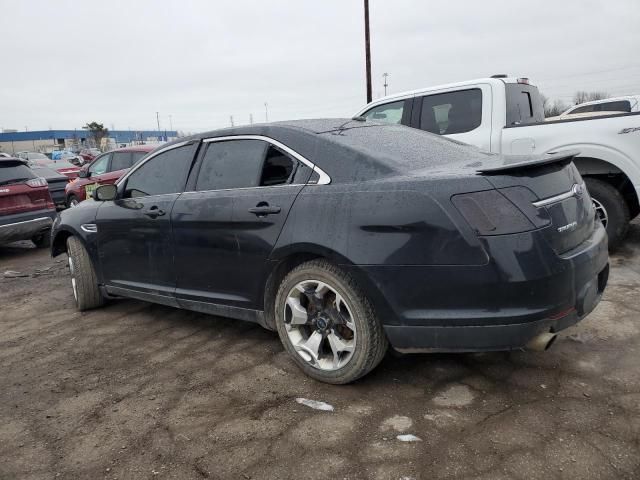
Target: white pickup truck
<point>505,115</point>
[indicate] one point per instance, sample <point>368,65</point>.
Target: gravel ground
<point>143,391</point>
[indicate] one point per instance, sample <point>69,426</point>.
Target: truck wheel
<point>611,208</point>
<point>83,277</point>
<point>327,325</point>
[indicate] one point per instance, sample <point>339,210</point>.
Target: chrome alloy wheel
<point>600,211</point>
<point>73,279</point>
<point>320,325</point>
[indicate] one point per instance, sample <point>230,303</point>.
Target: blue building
<point>49,140</point>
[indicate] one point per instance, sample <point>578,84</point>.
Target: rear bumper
<point>526,289</point>
<point>24,226</point>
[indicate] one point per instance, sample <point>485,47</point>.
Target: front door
<point>135,240</point>
<point>227,227</point>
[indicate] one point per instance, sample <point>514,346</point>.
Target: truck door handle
<point>154,212</point>
<point>263,209</point>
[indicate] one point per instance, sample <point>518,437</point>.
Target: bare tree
<point>581,96</point>
<point>552,108</point>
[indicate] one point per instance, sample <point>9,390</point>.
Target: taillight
<point>37,182</point>
<point>491,213</point>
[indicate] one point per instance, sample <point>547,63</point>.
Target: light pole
<point>266,112</point>
<point>385,75</point>
<point>158,120</point>
<point>367,45</point>
<point>170,123</point>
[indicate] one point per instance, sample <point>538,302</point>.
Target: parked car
<point>345,235</point>
<point>89,154</point>
<point>61,166</point>
<point>26,208</point>
<point>4,155</point>
<point>626,104</point>
<point>33,156</point>
<point>105,169</point>
<point>56,181</point>
<point>505,115</point>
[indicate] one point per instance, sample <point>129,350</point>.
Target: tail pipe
<point>541,342</point>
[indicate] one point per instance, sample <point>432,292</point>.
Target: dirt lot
<point>141,391</point>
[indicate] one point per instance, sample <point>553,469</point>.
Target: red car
<point>107,168</point>
<point>26,208</point>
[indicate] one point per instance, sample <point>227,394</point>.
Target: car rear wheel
<point>84,281</point>
<point>42,240</point>
<point>72,201</point>
<point>611,208</point>
<point>327,325</point>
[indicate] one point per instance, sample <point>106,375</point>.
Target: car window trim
<point>323,180</point>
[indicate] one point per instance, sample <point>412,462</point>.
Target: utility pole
<point>385,75</point>
<point>158,120</point>
<point>170,123</point>
<point>251,119</point>
<point>231,120</point>
<point>367,44</point>
<point>266,112</point>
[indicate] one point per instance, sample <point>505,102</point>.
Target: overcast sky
<point>66,63</point>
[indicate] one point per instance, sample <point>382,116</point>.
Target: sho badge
<point>568,227</point>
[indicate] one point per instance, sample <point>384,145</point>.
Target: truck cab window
<point>387,113</point>
<point>452,112</point>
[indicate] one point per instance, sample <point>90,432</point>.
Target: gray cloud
<point>118,62</point>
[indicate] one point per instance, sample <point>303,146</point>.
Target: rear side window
<point>11,172</point>
<point>453,112</point>
<point>120,161</point>
<point>585,109</point>
<point>524,104</point>
<point>231,164</point>
<point>387,113</point>
<point>163,174</point>
<point>278,168</point>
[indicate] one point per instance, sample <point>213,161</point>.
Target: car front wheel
<point>72,201</point>
<point>327,325</point>
<point>84,281</point>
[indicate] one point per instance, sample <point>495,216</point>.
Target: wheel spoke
<point>338,346</point>
<point>299,314</point>
<point>311,346</point>
<point>321,290</point>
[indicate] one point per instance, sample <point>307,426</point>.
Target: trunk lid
<point>553,189</point>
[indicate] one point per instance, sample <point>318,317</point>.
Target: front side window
<point>99,166</point>
<point>387,113</point>
<point>454,112</point>
<point>163,174</point>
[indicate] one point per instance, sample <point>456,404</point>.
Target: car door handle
<point>263,209</point>
<point>154,212</point>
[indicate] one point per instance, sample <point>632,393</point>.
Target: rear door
<point>134,231</point>
<point>226,228</point>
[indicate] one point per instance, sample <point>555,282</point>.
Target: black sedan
<point>57,183</point>
<point>346,236</point>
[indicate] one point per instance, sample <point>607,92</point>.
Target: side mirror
<point>105,193</point>
<point>84,173</point>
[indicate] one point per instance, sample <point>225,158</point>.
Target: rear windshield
<point>12,172</point>
<point>524,104</point>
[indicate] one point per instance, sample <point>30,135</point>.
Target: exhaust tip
<point>541,342</point>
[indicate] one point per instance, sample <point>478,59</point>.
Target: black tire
<point>72,201</point>
<point>371,343</point>
<point>42,240</point>
<point>83,276</point>
<point>615,208</point>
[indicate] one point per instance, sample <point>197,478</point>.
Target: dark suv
<point>345,236</point>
